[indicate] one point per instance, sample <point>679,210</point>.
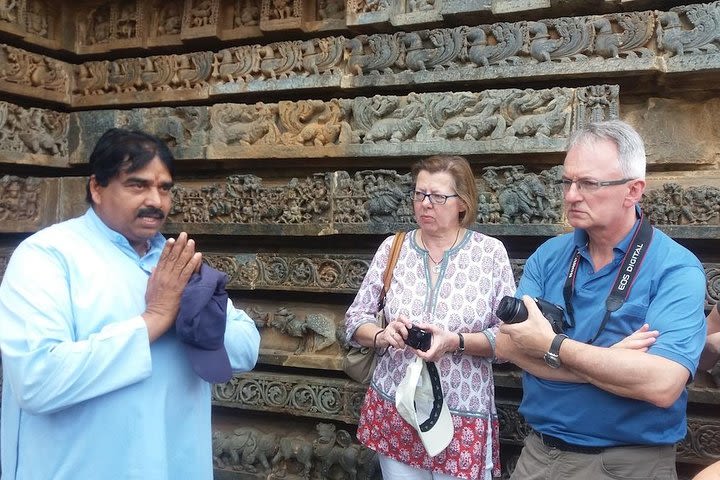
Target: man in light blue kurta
<point>92,388</point>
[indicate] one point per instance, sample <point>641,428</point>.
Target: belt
<point>554,442</point>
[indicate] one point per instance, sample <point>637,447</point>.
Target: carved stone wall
<point>295,123</point>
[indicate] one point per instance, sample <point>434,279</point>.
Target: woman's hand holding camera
<point>428,341</point>
<point>394,334</point>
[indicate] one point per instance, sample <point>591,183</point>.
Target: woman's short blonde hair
<point>462,175</point>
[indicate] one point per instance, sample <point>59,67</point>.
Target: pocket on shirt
<point>633,316</point>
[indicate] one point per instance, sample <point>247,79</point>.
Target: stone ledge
<point>623,44</point>
<point>508,121</point>
<point>512,201</point>
<point>340,400</point>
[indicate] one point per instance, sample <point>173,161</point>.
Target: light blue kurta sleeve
<point>47,365</point>
<point>242,339</point>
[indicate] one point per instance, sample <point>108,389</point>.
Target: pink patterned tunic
<point>474,276</point>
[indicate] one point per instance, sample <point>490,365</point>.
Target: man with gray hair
<point>605,392</point>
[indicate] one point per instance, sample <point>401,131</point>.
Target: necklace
<point>438,263</point>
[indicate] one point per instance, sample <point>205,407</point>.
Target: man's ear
<point>635,193</point>
<point>95,190</point>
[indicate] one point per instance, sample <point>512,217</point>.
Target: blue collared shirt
<point>668,294</point>
<point>85,394</point>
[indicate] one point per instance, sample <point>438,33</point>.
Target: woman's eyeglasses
<point>435,198</point>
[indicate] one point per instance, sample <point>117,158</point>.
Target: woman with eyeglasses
<point>448,281</point>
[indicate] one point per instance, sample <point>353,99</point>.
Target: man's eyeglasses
<point>435,198</point>
<point>590,184</point>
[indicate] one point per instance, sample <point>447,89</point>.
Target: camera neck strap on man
<point>623,281</point>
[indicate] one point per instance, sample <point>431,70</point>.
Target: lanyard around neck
<point>623,281</point>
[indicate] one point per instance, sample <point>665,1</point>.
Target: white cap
<point>419,400</point>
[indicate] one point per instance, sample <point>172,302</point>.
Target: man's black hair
<point>121,150</point>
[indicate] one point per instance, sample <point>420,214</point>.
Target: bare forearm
<point>506,350</point>
<point>625,372</point>
<point>366,334</point>
<point>711,352</point>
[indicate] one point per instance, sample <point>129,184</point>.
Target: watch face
<point>553,361</point>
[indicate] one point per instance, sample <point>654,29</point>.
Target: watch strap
<point>555,345</point>
<point>461,345</point>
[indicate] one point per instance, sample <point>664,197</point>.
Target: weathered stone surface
<point>318,397</point>
<point>116,25</point>
<point>681,40</point>
<point>31,75</point>
<point>33,136</point>
<point>340,400</point>
<point>27,204</point>
<point>466,123</point>
<point>511,201</point>
<point>290,450</point>
<point>298,335</point>
<point>201,20</point>
<point>319,272</point>
<point>677,131</point>
<point>85,130</point>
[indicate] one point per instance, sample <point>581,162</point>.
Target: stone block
<point>324,16</point>
<point>183,129</point>
<point>677,131</point>
<point>459,7</point>
<point>503,7</point>
<point>201,20</point>
<point>85,130</point>
<point>298,335</point>
<point>27,204</point>
<point>285,15</point>
<point>28,74</point>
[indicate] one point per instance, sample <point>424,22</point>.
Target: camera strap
<point>623,281</point>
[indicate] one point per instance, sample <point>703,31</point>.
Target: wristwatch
<point>552,357</point>
<point>461,345</point>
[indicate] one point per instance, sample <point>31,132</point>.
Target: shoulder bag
<point>359,363</point>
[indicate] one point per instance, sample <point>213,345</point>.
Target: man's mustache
<point>151,212</point>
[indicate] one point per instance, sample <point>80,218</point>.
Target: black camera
<point>418,338</point>
<point>512,310</point>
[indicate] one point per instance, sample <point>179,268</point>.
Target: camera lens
<point>511,310</point>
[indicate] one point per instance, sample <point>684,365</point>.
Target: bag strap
<point>392,260</point>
